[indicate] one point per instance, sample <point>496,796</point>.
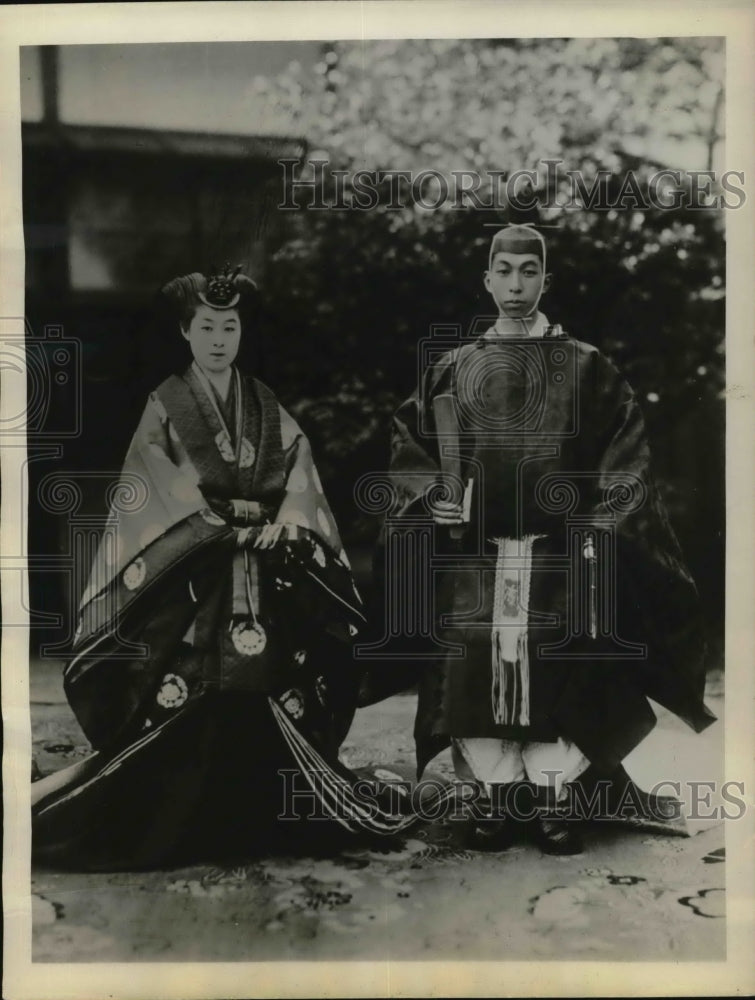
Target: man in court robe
<point>560,600</point>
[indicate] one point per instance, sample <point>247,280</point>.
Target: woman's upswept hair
<point>224,291</point>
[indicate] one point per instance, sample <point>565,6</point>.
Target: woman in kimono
<point>212,668</point>
<point>560,598</point>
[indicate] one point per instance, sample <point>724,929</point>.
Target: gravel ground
<point>631,895</point>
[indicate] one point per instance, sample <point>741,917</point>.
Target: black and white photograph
<point>377,500</point>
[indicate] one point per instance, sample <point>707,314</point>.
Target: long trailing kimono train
<point>565,603</point>
<point>214,679</point>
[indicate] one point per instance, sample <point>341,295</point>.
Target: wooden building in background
<point>111,213</point>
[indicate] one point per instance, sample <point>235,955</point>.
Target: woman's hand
<point>268,535</point>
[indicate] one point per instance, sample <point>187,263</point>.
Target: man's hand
<point>447,513</point>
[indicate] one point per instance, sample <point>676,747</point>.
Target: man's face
<point>516,282</point>
<point>214,336</point>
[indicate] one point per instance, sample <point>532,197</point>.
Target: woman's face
<point>214,336</point>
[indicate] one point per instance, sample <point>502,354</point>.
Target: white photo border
<point>83,23</point>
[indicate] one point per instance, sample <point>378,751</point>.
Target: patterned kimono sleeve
<point>158,487</point>
<point>304,503</point>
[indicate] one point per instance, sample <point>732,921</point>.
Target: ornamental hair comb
<point>221,292</point>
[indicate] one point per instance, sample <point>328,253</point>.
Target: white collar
<point>527,327</point>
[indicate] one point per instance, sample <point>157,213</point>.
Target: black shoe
<point>554,835</point>
<point>491,834</point>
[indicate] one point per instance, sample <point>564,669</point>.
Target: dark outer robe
<point>171,574</point>
<point>197,720</point>
<point>554,441</point>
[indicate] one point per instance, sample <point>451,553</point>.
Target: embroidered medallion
<point>353,630</point>
<point>173,691</point>
<point>510,597</point>
<point>223,442</point>
<point>300,656</point>
<point>134,574</point>
<point>293,703</point>
<point>249,638</point>
<point>211,517</point>
<point>247,454</point>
